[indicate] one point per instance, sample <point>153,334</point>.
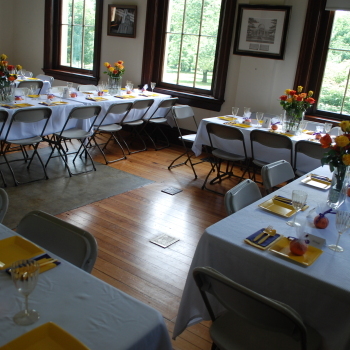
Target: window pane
<point>333,85</point>
<point>88,47</point>
<point>171,61</point>
<point>77,47</point>
<point>340,38</point>
<point>67,12</point>
<point>175,15</point>
<point>78,11</point>
<point>211,17</point>
<point>205,65</point>
<point>188,60</point>
<point>90,9</point>
<point>66,45</point>
<point>193,16</point>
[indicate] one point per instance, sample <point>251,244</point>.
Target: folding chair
<point>310,149</point>
<point>229,134</point>
<point>241,195</point>
<point>271,140</point>
<point>134,120</point>
<point>86,88</point>
<point>158,117</point>
<point>71,132</point>
<point>39,118</point>
<point>37,84</point>
<point>44,77</point>
<point>275,173</point>
<point>251,320</point>
<point>180,114</point>
<point>68,241</point>
<point>112,129</point>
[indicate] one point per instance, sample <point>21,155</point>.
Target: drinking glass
<point>246,112</point>
<point>327,127</point>
<point>70,86</point>
<point>25,277</point>
<point>342,222</point>
<point>153,85</point>
<point>259,118</point>
<point>319,129</point>
<point>298,202</point>
<point>235,111</point>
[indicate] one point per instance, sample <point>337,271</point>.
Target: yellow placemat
<point>125,96</point>
<point>149,95</point>
<point>238,125</point>
<point>34,96</point>
<point>10,106</point>
<point>281,133</point>
<point>227,118</point>
<point>21,105</point>
<point>97,99</point>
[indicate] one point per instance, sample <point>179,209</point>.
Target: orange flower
<point>298,98</point>
<point>120,62</point>
<point>310,100</point>
<point>12,78</point>
<point>326,141</point>
<point>303,95</point>
<point>346,159</point>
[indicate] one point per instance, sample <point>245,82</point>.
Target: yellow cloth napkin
<point>239,125</point>
<point>22,105</point>
<point>125,96</point>
<point>34,96</point>
<point>53,103</point>
<point>97,98</point>
<point>227,118</point>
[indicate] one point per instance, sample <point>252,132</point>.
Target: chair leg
<point>105,145</point>
<point>187,160</point>
<point>157,128</point>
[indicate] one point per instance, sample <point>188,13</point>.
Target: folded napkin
<point>125,96</point>
<point>53,103</point>
<point>42,259</point>
<point>97,99</point>
<point>34,96</point>
<point>264,245</point>
<point>239,125</point>
<point>227,118</point>
<point>87,92</point>
<point>10,106</point>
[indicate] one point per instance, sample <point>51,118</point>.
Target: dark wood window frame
<point>156,21</point>
<point>52,47</point>
<point>313,55</point>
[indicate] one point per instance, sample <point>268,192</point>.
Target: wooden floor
<point>124,224</point>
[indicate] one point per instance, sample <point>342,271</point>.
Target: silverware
<point>288,201</point>
<point>267,229</point>
<point>271,233</point>
<point>48,262</point>
<point>320,177</point>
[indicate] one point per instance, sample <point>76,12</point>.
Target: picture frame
<point>122,20</point>
<point>261,31</point>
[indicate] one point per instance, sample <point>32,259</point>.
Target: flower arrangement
<point>339,152</point>
<point>115,71</point>
<point>297,102</point>
<point>7,77</point>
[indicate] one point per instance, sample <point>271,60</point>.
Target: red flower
<point>310,100</point>
<point>10,67</point>
<point>326,141</point>
<point>2,74</point>
<point>283,97</point>
<point>299,98</point>
<point>292,92</point>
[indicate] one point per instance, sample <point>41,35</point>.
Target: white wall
<point>251,82</point>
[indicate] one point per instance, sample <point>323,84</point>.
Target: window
<point>73,40</point>
<point>187,49</point>
<point>335,88</point>
<point>324,61</point>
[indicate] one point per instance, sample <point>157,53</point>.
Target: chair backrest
<point>312,125</point>
<point>336,131</point>
<point>46,78</point>
<point>260,311</point>
<point>86,88</point>
<point>141,107</point>
<point>4,204</point>
<point>272,140</point>
<point>3,119</point>
<point>57,89</point>
<point>164,108</point>
<point>275,173</point>
<point>117,108</point>
<point>30,115</point>
<point>38,84</point>
<point>243,194</point>
<point>68,241</point>
<point>184,113</point>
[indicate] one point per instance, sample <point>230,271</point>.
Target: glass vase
<point>292,120</point>
<point>337,191</point>
<point>115,85</point>
<point>7,93</point>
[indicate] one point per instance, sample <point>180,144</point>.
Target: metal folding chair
<point>38,84</point>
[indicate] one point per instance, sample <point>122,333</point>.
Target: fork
<point>267,230</point>
<point>271,233</point>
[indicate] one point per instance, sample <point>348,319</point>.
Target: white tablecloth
<point>320,293</point>
<point>267,154</point>
<point>97,314</point>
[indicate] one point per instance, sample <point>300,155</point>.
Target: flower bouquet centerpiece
<point>295,103</point>
<point>7,77</point>
<point>115,74</point>
<point>338,158</point>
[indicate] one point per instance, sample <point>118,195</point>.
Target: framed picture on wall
<point>122,20</point>
<point>261,31</point>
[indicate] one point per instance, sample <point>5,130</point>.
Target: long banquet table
<point>320,293</point>
<point>263,153</point>
<point>60,113</point>
<point>94,312</point>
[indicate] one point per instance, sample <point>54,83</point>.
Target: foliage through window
<point>335,89</point>
<point>191,41</point>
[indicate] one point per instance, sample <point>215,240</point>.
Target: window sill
<point>72,77</point>
<point>194,100</point>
